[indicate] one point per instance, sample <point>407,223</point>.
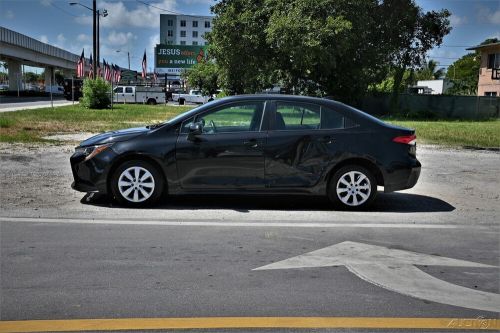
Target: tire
<point>352,187</point>
<point>142,193</point>
<point>151,101</point>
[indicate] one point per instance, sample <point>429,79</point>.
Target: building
<point>432,87</point>
<point>488,85</point>
<point>184,29</point>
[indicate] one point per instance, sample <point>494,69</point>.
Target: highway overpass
<point>17,49</point>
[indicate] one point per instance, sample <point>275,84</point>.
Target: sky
<point>133,26</point>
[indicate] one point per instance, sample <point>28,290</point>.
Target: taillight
<point>406,139</point>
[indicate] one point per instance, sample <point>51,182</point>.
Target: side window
<point>297,116</point>
<point>331,119</point>
<point>119,90</point>
<point>128,90</point>
<point>238,117</point>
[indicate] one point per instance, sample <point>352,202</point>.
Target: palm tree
<point>430,72</point>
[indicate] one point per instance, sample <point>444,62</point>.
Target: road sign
<point>395,270</point>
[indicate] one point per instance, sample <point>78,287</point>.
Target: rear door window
<point>297,116</point>
<point>128,90</point>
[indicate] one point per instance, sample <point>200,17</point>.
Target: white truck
<point>194,96</point>
<point>139,94</point>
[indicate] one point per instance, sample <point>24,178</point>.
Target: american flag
<point>91,72</point>
<point>144,65</point>
<point>99,72</point>
<point>107,71</point>
<point>155,76</point>
<point>80,66</point>
<point>118,73</point>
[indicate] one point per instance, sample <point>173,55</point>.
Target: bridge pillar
<point>48,78</point>
<point>15,75</point>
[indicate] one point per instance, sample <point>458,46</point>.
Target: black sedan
<point>252,144</point>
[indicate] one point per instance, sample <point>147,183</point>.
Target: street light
<point>128,56</point>
<point>96,14</point>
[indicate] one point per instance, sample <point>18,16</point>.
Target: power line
<point>63,10</point>
<point>168,10</point>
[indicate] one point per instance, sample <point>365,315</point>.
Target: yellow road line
<point>246,322</point>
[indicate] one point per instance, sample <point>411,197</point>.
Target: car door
<point>118,95</point>
<point>129,95</point>
<point>303,142</point>
<point>229,153</point>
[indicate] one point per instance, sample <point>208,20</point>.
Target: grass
<point>484,134</point>
<point>33,125</point>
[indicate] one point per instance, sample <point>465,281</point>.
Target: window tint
<point>331,119</point>
<point>296,116</point>
<point>119,90</point>
<point>239,117</point>
<point>128,90</point>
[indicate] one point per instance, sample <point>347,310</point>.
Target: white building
<point>184,29</point>
<point>434,87</point>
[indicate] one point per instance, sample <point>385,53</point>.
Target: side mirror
<point>194,130</point>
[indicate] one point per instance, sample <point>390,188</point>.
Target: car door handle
<point>252,143</point>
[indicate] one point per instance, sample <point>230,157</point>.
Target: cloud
<point>9,14</point>
<point>61,39</point>
<point>44,39</point>
<point>120,38</point>
<point>456,20</point>
<point>484,14</point>
<point>141,16</point>
<point>46,3</point>
<point>153,40</point>
<point>83,38</point>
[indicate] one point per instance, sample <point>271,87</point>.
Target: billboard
<point>172,59</point>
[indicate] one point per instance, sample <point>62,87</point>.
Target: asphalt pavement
<point>8,104</point>
<point>426,258</point>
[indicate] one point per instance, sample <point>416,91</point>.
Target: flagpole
<point>112,79</point>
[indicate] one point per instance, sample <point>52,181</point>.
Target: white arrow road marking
<point>394,270</point>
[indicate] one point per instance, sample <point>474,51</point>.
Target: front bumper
<point>402,177</point>
<point>91,175</point>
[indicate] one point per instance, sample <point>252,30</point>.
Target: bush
<point>96,94</point>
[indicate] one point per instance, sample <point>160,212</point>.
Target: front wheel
<point>137,183</point>
<point>352,187</point>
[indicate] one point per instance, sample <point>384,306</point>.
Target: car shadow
<point>385,202</point>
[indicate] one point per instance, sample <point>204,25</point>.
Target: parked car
<point>252,144</point>
<point>55,89</point>
<point>194,96</point>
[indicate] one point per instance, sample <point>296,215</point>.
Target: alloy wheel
<point>136,184</point>
<point>353,188</point>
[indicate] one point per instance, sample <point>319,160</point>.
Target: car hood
<point>114,136</point>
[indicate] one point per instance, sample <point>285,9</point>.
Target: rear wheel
<point>151,101</point>
<point>137,183</point>
<point>352,187</point>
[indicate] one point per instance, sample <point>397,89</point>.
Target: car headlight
<point>90,152</point>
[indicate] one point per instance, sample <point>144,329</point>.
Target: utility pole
<point>94,16</point>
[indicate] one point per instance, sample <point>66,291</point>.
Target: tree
<point>203,75</point>
<point>430,71</point>
<point>320,47</point>
<point>464,74</point>
<point>419,32</point>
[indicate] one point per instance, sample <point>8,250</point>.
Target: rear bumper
<point>402,178</point>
